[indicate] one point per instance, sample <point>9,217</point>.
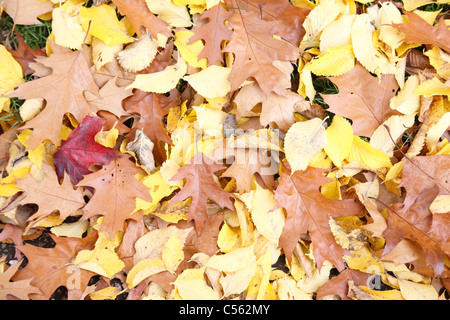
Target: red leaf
<point>80,150</point>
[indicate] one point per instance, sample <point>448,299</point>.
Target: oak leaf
<point>418,224</point>
<point>421,173</point>
<point>212,33</point>
<point>26,11</point>
<point>25,55</point>
<point>51,267</point>
<point>363,98</point>
<point>308,211</point>
<point>420,31</point>
<point>140,16</point>
<point>49,195</point>
<point>255,49</point>
<point>201,186</point>
<point>20,289</point>
<point>63,91</point>
<point>152,107</point>
<point>115,181</point>
<point>80,150</point>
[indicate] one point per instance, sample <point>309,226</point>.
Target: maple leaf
<point>255,49</point>
<point>20,289</point>
<point>201,186</point>
<point>420,31</point>
<point>363,99</point>
<point>80,150</point>
<point>212,33</point>
<point>308,211</point>
<point>140,16</point>
<point>152,107</point>
<point>421,173</point>
<point>115,181</point>
<point>51,267</point>
<point>418,224</point>
<point>63,91</point>
<point>25,55</point>
<point>49,195</point>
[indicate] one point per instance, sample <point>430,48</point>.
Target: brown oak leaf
<point>63,91</point>
<point>308,211</point>
<point>25,55</point>
<point>20,289</point>
<point>362,98</point>
<point>418,224</point>
<point>420,31</point>
<point>52,267</point>
<point>212,33</point>
<point>255,49</point>
<point>115,191</point>
<point>201,186</point>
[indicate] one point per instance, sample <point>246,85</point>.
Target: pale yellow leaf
<point>417,291</point>
<point>303,141</point>
<point>67,29</point>
<point>337,33</point>
<point>237,282</point>
<point>143,269</point>
<point>138,55</point>
<point>10,74</point>
<point>172,253</point>
<point>191,285</point>
<point>440,60</point>
<point>387,134</point>
<point>74,229</point>
<point>432,87</point>
<point>30,108</point>
<point>211,82</point>
<point>163,81</point>
<point>176,16</point>
<point>232,261</point>
<point>268,223</point>
<point>102,53</point>
<point>405,101</point>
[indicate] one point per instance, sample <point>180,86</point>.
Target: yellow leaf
<point>417,291</point>
<point>211,82</point>
<point>337,33</point>
<point>74,229</point>
<point>339,140</point>
<point>335,61</point>
<point>352,241</point>
<point>318,278</point>
<point>406,101</point>
<point>102,23</point>
<point>163,81</point>
<point>432,87</point>
<point>210,120</point>
<point>100,260</point>
<point>30,108</point>
<point>237,282</point>
<point>143,269</point>
<point>67,29</point>
<point>382,295</point>
<point>440,60</point>
<point>138,55</point>
<point>287,290</point>
<point>366,156</point>
<point>363,260</point>
<point>268,223</point>
<point>172,253</point>
<point>227,238</point>
<point>176,16</point>
<point>158,189</point>
<point>102,53</point>
<point>232,261</point>
<point>191,285</point>
<point>316,21</point>
<point>303,141</point>
<point>190,52</point>
<point>365,52</point>
<point>108,293</point>
<point>10,76</point>
<point>385,136</point>
<point>107,138</point>
<point>437,130</point>
<point>410,5</point>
